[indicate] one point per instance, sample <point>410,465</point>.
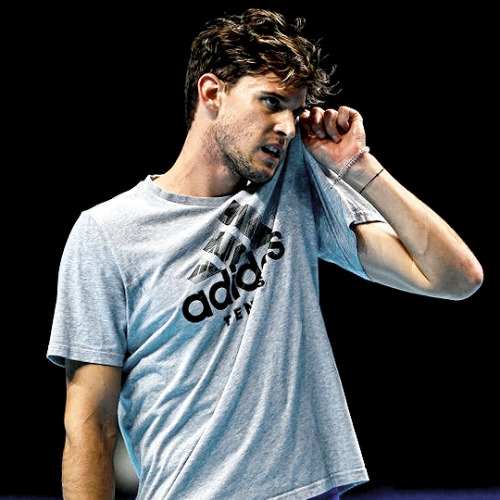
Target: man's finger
<point>304,121</point>
<point>330,119</point>
<point>317,122</point>
<point>347,116</point>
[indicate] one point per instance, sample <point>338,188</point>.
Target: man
<point>188,307</point>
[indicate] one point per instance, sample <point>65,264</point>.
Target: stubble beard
<point>240,165</point>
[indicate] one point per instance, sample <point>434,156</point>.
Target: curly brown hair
<point>255,43</point>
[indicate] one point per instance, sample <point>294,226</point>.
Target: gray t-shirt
<point>211,306</point>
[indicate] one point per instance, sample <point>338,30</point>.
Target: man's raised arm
<point>417,251</point>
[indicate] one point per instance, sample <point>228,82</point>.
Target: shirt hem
<point>57,354</point>
<point>344,481</point>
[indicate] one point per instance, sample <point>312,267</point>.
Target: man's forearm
<point>87,468</point>
<point>437,250</point>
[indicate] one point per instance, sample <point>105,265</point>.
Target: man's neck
<point>199,171</point>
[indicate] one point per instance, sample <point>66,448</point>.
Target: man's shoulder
<point>120,206</point>
<point>120,214</point>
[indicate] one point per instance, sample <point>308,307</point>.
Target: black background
<point>96,103</point>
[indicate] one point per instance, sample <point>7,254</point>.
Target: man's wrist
<point>363,172</point>
<point>349,163</point>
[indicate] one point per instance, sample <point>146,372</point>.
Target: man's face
<point>255,123</point>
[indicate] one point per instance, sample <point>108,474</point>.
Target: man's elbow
<point>92,429</point>
<point>466,282</point>
<point>86,431</point>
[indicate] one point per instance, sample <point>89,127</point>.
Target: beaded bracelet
<point>351,162</point>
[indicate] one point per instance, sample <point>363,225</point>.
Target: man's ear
<point>210,88</point>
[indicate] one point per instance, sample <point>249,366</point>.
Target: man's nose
<point>286,125</point>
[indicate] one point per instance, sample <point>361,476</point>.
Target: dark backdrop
<point>97,100</point>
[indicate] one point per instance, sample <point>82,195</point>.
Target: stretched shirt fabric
<point>211,308</point>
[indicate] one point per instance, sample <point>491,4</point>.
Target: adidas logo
<point>244,234</point>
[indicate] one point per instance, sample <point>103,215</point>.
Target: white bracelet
<point>351,162</point>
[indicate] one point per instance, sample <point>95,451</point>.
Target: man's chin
<point>257,172</point>
<point>262,174</point>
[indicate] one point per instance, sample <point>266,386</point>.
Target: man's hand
<point>332,136</point>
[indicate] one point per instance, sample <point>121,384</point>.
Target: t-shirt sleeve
<point>90,315</point>
<point>338,208</point>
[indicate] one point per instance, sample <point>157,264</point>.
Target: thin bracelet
<point>371,180</point>
<point>351,162</point>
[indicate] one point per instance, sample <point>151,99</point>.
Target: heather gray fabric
<point>211,307</point>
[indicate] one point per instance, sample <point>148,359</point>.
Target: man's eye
<point>272,103</point>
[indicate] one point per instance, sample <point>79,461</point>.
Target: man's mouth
<point>273,151</point>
